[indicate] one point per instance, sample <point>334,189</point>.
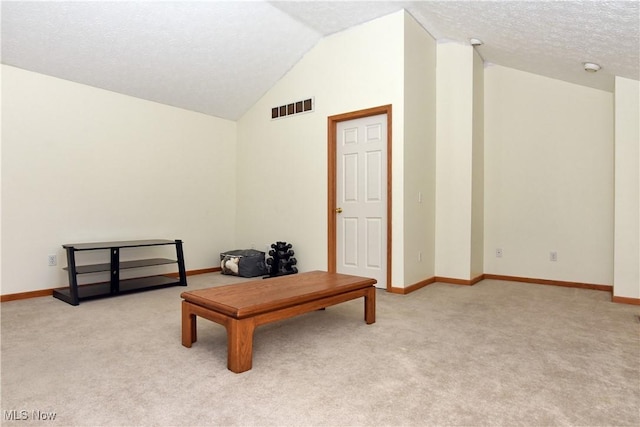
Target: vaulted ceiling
<point>220,57</point>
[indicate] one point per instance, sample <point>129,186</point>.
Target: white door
<point>361,198</point>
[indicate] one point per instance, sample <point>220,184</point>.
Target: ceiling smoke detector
<point>591,67</point>
<point>476,42</point>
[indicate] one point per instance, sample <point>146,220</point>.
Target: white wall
<point>454,153</point>
<point>626,281</point>
<point>419,153</point>
<point>548,178</point>
<point>81,164</point>
<point>282,164</point>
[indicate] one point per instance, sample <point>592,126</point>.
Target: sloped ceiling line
<point>220,57</point>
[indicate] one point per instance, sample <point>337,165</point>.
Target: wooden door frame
<point>331,185</point>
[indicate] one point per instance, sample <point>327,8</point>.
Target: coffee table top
<point>247,299</point>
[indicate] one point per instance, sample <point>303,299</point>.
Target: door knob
<point>338,210</point>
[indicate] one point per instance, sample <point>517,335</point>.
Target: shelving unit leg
<point>181,269</point>
<point>73,279</point>
<point>115,270</point>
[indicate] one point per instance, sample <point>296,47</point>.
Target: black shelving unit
<point>74,293</point>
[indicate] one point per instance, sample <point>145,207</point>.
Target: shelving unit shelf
<point>74,293</point>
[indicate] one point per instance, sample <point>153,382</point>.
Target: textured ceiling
<point>220,57</point>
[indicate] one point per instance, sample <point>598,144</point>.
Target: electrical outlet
<point>52,260</point>
<point>498,252</point>
<point>419,256</point>
<point>553,256</point>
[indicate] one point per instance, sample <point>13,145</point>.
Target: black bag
<point>243,263</point>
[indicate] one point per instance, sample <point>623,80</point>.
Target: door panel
<point>350,178</point>
<point>373,181</point>
<point>374,236</point>
<point>361,197</point>
<point>350,242</point>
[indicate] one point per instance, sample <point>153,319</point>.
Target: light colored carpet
<point>497,353</point>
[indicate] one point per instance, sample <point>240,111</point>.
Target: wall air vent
<point>304,106</point>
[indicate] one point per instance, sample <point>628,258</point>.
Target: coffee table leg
<point>240,344</point>
<point>370,306</point>
<point>189,335</point>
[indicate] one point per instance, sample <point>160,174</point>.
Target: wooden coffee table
<point>242,307</point>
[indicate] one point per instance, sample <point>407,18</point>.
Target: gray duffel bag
<point>243,263</point>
